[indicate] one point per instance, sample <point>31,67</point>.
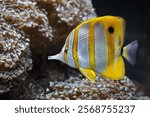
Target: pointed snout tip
<point>49,57</point>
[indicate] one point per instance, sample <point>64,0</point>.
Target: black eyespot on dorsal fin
<point>111,29</point>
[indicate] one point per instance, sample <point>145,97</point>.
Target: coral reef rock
<point>64,15</point>
<point>15,55</point>
<point>79,89</point>
<point>30,30</point>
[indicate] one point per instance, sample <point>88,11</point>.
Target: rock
<point>63,16</point>
<point>15,56</point>
<point>102,89</point>
<point>30,30</point>
<point>25,15</point>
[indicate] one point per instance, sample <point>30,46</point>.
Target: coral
<point>25,16</point>
<point>75,88</point>
<point>39,27</point>
<point>73,11</point>
<point>20,21</point>
<point>14,52</point>
<point>15,55</point>
<point>64,15</point>
<point>30,30</point>
<point>78,88</point>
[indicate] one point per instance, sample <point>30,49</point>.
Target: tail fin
<point>129,52</point>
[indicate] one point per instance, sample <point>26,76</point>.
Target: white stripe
<point>101,49</point>
<point>70,60</point>
<point>83,51</point>
<point>117,53</point>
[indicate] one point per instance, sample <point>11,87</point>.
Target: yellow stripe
<point>111,50</point>
<point>91,43</point>
<point>66,47</point>
<point>91,40</point>
<point>74,48</point>
<point>110,71</point>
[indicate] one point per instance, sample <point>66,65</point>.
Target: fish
<point>95,47</point>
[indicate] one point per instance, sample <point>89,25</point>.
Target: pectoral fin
<point>115,71</point>
<point>88,73</point>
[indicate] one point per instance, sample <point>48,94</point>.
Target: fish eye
<point>111,29</point>
<point>66,50</point>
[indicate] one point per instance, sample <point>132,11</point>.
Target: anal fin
<point>88,73</point>
<point>115,71</point>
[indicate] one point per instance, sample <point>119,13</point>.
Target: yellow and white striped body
<point>87,47</point>
<point>94,46</point>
